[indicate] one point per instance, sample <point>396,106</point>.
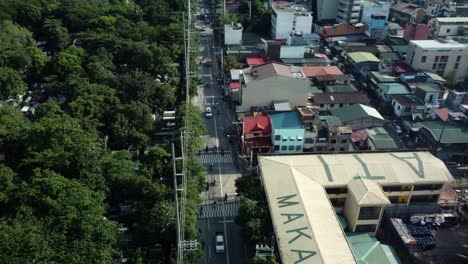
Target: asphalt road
<point>217,214</point>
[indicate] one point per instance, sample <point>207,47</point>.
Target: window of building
<point>336,190</point>
<point>458,58</point>
<point>342,149</point>
<point>321,105</point>
<point>341,105</point>
<point>441,66</point>
<point>291,147</point>
<point>365,228</point>
<point>277,147</point>
<point>427,187</point>
<point>337,201</point>
<point>456,66</point>
<point>292,139</point>
<point>415,199</point>
<point>393,199</point>
<point>331,149</point>
<point>299,138</point>
<point>434,66</point>
<point>309,140</point>
<point>256,134</point>
<point>423,59</point>
<point>443,58</point>
<point>284,138</point>
<point>277,137</point>
<point>284,148</point>
<point>448,30</point>
<point>436,59</point>
<point>298,148</point>
<point>333,141</point>
<point>399,107</point>
<point>369,213</point>
<point>344,141</point>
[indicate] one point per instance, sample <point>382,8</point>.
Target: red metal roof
<point>234,85</point>
<point>254,60</point>
<point>258,142</point>
<point>257,124</point>
<point>442,113</point>
<point>324,73</point>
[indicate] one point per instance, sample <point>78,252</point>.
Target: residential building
<point>257,134</point>
<point>234,85</point>
<point>233,34</point>
<point>448,26</point>
<point>327,134</point>
<point>430,93</point>
<point>287,18</point>
<point>261,85</point>
<point>439,56</point>
<point>326,10</point>
<point>362,62</point>
<point>370,7</point>
<point>308,186</point>
<point>377,26</point>
<point>405,12</point>
<point>254,60</point>
<point>325,75</point>
<point>323,102</point>
<point>415,31</point>
<point>447,140</point>
<point>380,140</point>
<point>359,116</point>
<point>341,88</point>
<point>297,46</point>
<point>343,31</point>
<point>387,91</point>
<point>348,11</point>
<point>458,100</point>
<point>408,105</point>
<point>287,132</point>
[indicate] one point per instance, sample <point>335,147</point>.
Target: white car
<point>219,243</point>
<point>208,112</point>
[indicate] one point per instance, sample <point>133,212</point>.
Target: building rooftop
<point>407,100</point>
<point>341,88</point>
<point>381,139</point>
<point>446,133</point>
<point>281,120</point>
<point>253,60</point>
<point>367,192</point>
<point>436,77</point>
<point>331,120</point>
<point>235,74</point>
<point>437,44</point>
<point>452,19</point>
<point>282,6</point>
<point>294,184</point>
<point>359,57</point>
<point>269,70</point>
<point>406,8</point>
<point>368,249</point>
<point>394,88</point>
<point>355,111</point>
<point>428,87</point>
<point>383,77</point>
<point>324,73</point>
<point>340,98</point>
<point>257,124</point>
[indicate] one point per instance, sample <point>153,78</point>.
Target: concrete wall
<point>351,212</point>
<point>374,7</point>
<point>289,137</point>
<point>303,24</point>
<point>282,24</point>
<point>327,9</point>
<point>415,54</point>
<point>232,35</point>
<point>362,123</point>
<point>278,88</point>
<point>292,52</point>
<point>444,29</point>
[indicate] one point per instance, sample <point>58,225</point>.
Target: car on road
<point>219,243</point>
<point>208,112</point>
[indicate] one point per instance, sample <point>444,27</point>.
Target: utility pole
<point>176,199</point>
<point>250,10</point>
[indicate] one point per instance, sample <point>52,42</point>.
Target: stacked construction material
<point>423,236</point>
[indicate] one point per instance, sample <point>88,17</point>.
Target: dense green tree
<point>103,23</point>
<point>230,62</point>
<point>157,162</point>
<point>57,35</point>
<point>11,83</point>
<point>452,79</point>
<point>263,260</point>
<point>29,60</point>
<point>68,62</point>
<point>194,124</point>
<point>14,35</point>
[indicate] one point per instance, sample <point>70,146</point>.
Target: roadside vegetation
<point>98,74</point>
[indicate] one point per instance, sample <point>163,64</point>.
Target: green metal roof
<point>341,88</point>
<point>307,61</point>
<point>355,111</point>
<point>390,56</point>
<point>331,120</point>
<point>394,88</point>
<point>381,139</point>
<point>382,77</point>
<point>368,250</point>
<point>447,133</point>
<point>281,120</point>
<point>314,89</point>
<point>400,48</point>
<point>436,77</point>
<point>359,57</point>
<point>429,87</point>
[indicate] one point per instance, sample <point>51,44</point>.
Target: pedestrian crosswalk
<point>208,158</point>
<point>227,209</point>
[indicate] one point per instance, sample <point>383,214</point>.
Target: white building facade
<point>348,11</point>
<point>327,9</point>
<point>287,18</point>
<point>233,34</point>
<point>447,26</point>
<point>370,7</point>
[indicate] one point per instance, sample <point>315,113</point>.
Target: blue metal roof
<point>281,120</point>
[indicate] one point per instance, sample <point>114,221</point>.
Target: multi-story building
<point>302,191</point>
<point>257,134</point>
<point>438,56</point>
<point>287,18</point>
<point>287,132</point>
<point>377,26</point>
<point>370,7</point>
<point>326,10</point>
<point>447,26</point>
<point>348,11</point>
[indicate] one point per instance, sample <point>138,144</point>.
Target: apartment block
<point>348,11</point>
<point>287,18</point>
<point>447,26</point>
<point>438,56</point>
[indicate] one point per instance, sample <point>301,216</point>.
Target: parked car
<point>208,112</point>
<point>219,243</point>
